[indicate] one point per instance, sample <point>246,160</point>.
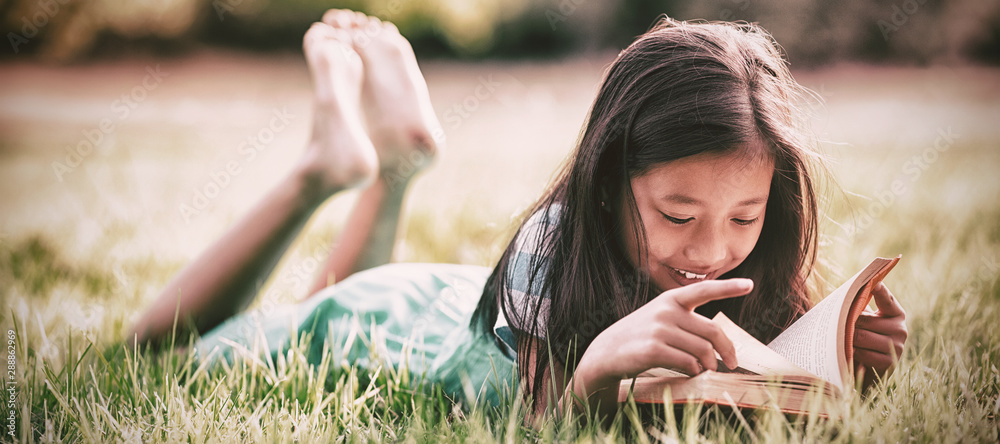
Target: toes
<point>316,34</point>
<point>364,28</point>
<point>361,20</point>
<point>347,19</point>
<point>332,17</point>
<point>356,27</point>
<point>339,18</point>
<point>319,33</point>
<point>322,43</point>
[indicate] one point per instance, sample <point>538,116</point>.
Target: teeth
<point>691,275</point>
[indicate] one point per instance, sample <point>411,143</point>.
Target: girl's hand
<point>666,332</point>
<point>879,337</point>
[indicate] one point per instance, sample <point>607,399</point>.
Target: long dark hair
<point>679,90</point>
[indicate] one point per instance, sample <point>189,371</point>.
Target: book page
<point>814,342</point>
<point>752,355</point>
<point>811,342</point>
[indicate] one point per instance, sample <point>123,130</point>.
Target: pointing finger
<point>712,333</point>
<point>694,295</point>
<point>696,346</point>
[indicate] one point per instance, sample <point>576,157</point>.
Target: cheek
<point>661,245</point>
<point>656,247</point>
<point>744,244</point>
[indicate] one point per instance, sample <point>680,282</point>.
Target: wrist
<point>592,377</point>
<point>593,388</point>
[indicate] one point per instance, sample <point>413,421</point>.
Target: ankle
<point>307,185</point>
<point>403,137</point>
<point>313,183</point>
<point>391,184</point>
<point>405,152</point>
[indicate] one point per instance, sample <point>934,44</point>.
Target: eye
<point>677,221</point>
<point>745,222</point>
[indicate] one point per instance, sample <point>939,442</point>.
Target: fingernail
<point>746,284</point>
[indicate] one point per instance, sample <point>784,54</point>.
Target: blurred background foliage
<point>813,32</point>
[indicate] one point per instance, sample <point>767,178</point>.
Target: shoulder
<point>548,215</point>
<point>524,283</point>
<point>532,247</point>
<point>539,228</point>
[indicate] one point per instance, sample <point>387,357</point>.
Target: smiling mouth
<point>688,274</point>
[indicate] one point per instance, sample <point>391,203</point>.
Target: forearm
<point>590,388</point>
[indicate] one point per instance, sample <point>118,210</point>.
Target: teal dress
<point>415,315</point>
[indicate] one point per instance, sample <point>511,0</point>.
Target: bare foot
<point>340,154</point>
<point>397,106</point>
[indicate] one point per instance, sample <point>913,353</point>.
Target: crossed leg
<point>364,74</point>
<point>402,124</point>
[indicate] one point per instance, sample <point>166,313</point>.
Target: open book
<point>799,371</point>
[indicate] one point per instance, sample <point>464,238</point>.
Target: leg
<point>226,277</point>
<point>401,123</point>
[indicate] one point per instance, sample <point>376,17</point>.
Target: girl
<point>688,194</point>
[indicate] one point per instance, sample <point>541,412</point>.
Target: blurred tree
<point>811,31</point>
<point>635,17</point>
<point>916,31</point>
<point>61,30</point>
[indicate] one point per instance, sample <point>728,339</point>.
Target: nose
<point>706,249</point>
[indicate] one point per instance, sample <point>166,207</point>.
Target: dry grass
<point>79,258</point>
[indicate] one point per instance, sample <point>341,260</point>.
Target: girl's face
<point>702,215</point>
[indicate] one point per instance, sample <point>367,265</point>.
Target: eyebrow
<point>688,200</point>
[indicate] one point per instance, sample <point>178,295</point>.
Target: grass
<point>75,383</point>
<point>70,298</point>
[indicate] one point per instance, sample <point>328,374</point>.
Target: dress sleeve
<point>525,292</point>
